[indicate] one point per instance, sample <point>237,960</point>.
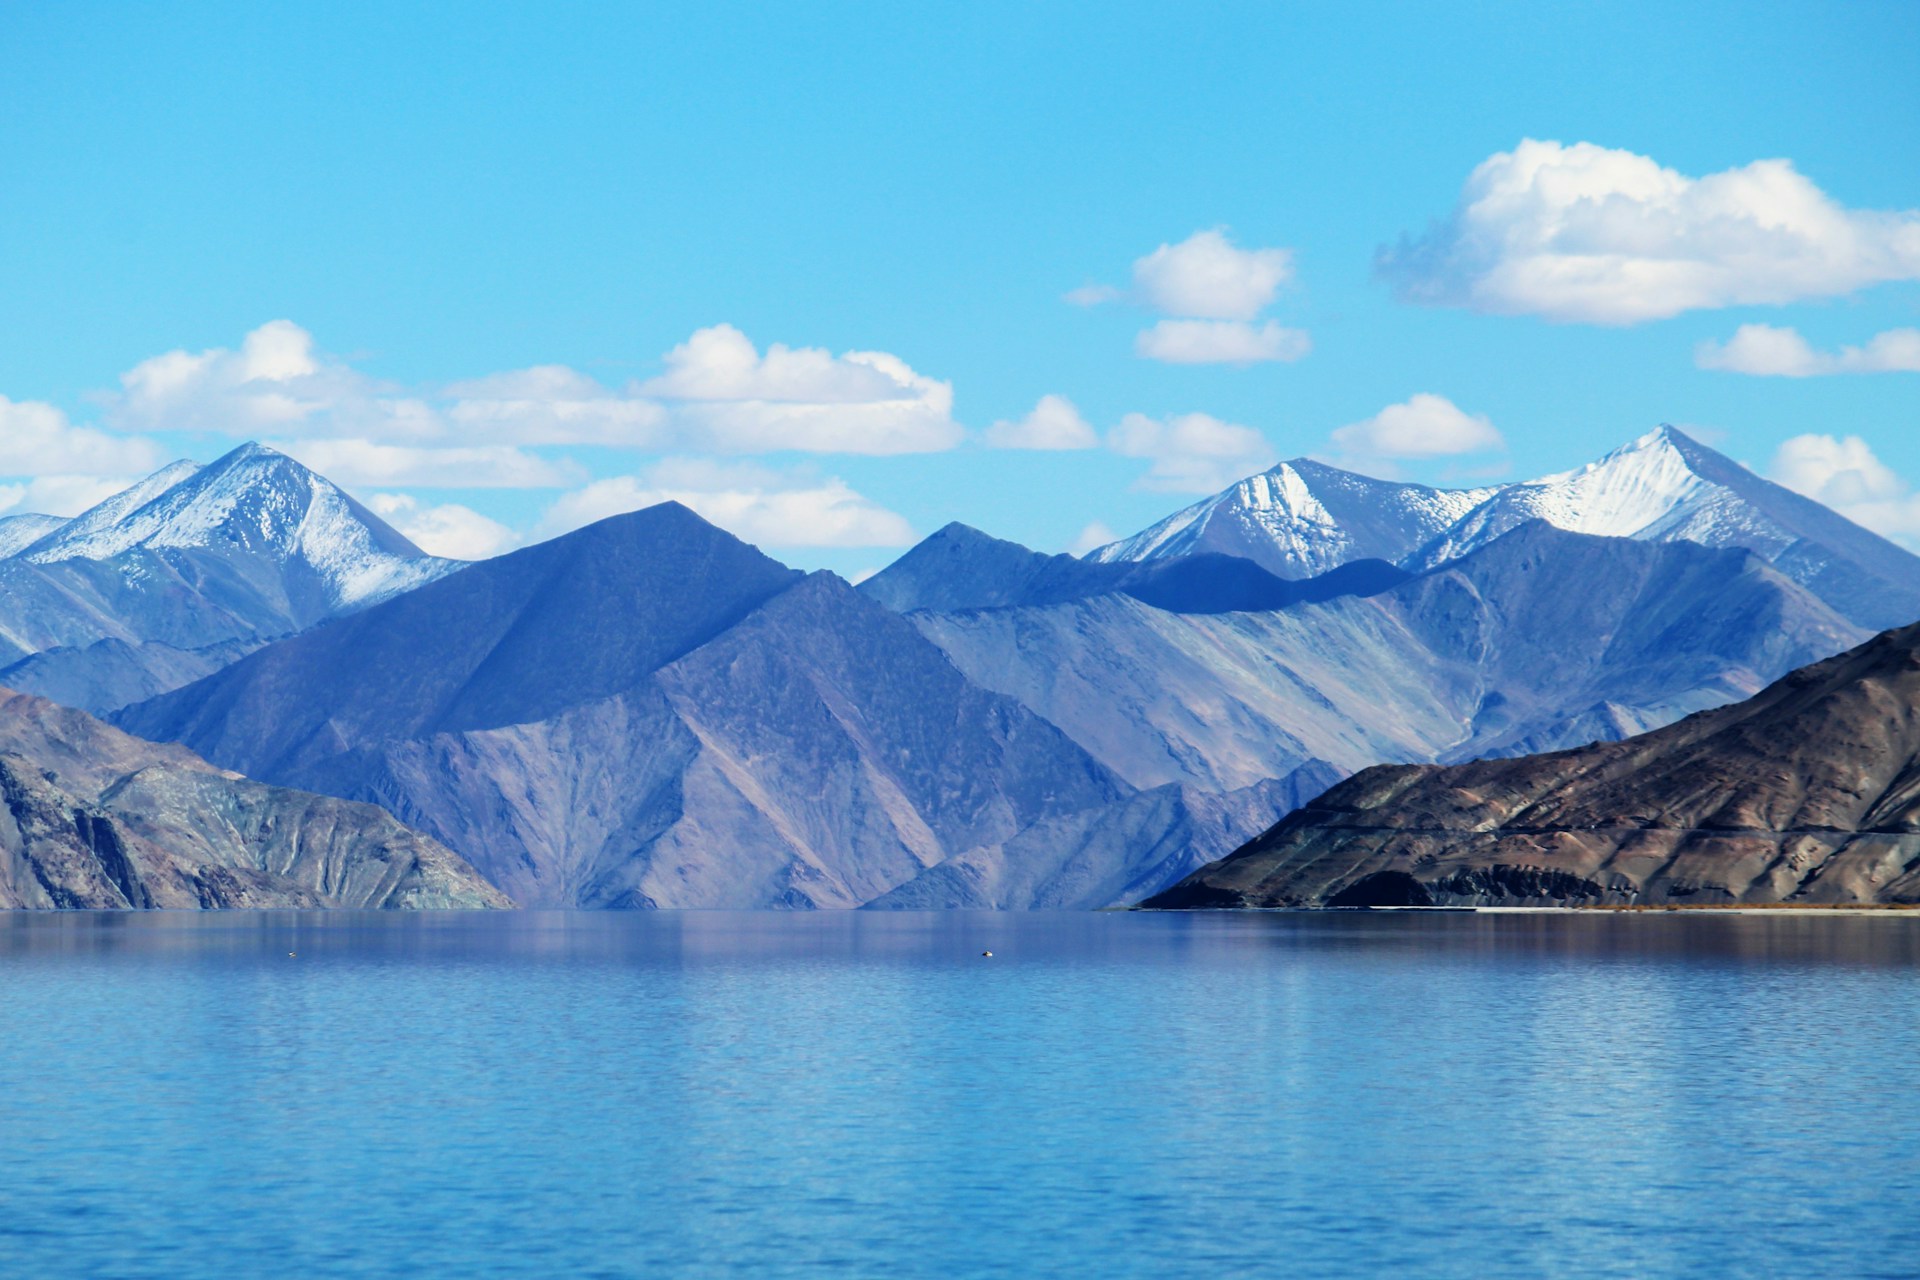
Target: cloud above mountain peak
<point>1596,235</point>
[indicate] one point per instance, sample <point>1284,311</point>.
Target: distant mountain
<point>1663,487</point>
<point>172,577</point>
<point>1303,518</point>
<point>1107,855</point>
<point>93,818</point>
<point>1492,653</point>
<point>1808,793</point>
<point>252,506</point>
<point>962,568</point>
<point>648,712</point>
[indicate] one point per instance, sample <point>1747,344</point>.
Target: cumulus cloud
<point>36,439</point>
<point>1054,423</point>
<point>1190,452</point>
<point>1594,235</point>
<point>1212,291</point>
<point>1095,535</point>
<point>450,530</point>
<point>717,392</point>
<point>1206,275</point>
<point>760,505</point>
<point>551,405</point>
<point>369,462</point>
<point>1766,351</point>
<point>275,383</point>
<point>1424,426</point>
<point>723,394</point>
<point>1843,473</point>
<point>1221,342</point>
<point>60,495</point>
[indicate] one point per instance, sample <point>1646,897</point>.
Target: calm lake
<point>564,1094</point>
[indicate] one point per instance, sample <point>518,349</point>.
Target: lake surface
<point>559,1094</point>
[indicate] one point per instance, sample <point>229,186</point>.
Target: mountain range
<point>650,713</point>
<point>1807,793</point>
<point>185,571</point>
<point>1303,518</point>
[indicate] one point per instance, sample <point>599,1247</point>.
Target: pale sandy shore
<point>1751,909</point>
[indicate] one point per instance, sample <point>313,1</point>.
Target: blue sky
<point>423,202</point>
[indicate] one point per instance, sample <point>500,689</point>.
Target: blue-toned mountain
<point>649,712</point>
<point>1304,517</point>
<point>171,578</point>
<point>1805,793</point>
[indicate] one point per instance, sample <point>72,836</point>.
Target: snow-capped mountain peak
<point>1305,517</point>
<point>1623,493</point>
<point>1302,518</point>
<point>1637,491</point>
<point>95,526</point>
<point>256,503</point>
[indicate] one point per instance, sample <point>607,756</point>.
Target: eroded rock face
<point>1807,792</point>
<point>93,818</point>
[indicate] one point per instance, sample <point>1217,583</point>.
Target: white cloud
<point>551,405</point>
<point>721,363</point>
<point>1093,295</point>
<point>37,440</point>
<point>450,530</point>
<point>1424,426</point>
<point>274,384</point>
<point>61,495</point>
<point>718,392</point>
<point>1212,291</point>
<point>725,395</point>
<point>1094,535</point>
<point>1588,234</point>
<point>1221,342</point>
<point>762,506</point>
<point>1766,351</point>
<point>1054,423</point>
<point>1844,474</point>
<point>369,462</point>
<point>1191,452</point>
<point>1206,276</point>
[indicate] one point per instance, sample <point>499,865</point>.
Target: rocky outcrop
<point>93,818</point>
<point>649,713</point>
<point>1807,793</point>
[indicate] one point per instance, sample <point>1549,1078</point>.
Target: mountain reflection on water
<point>862,1093</point>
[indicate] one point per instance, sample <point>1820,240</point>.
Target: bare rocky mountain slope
<point>1494,653</point>
<point>91,817</point>
<point>650,713</point>
<point>1807,793</point>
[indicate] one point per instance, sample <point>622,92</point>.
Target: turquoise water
<point>864,1094</point>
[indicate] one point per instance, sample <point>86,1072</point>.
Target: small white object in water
<point>987,953</point>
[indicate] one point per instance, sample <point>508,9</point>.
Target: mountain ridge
<point>1663,486</point>
<point>1807,792</point>
<point>91,817</point>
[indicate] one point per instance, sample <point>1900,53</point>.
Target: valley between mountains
<point>650,713</point>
